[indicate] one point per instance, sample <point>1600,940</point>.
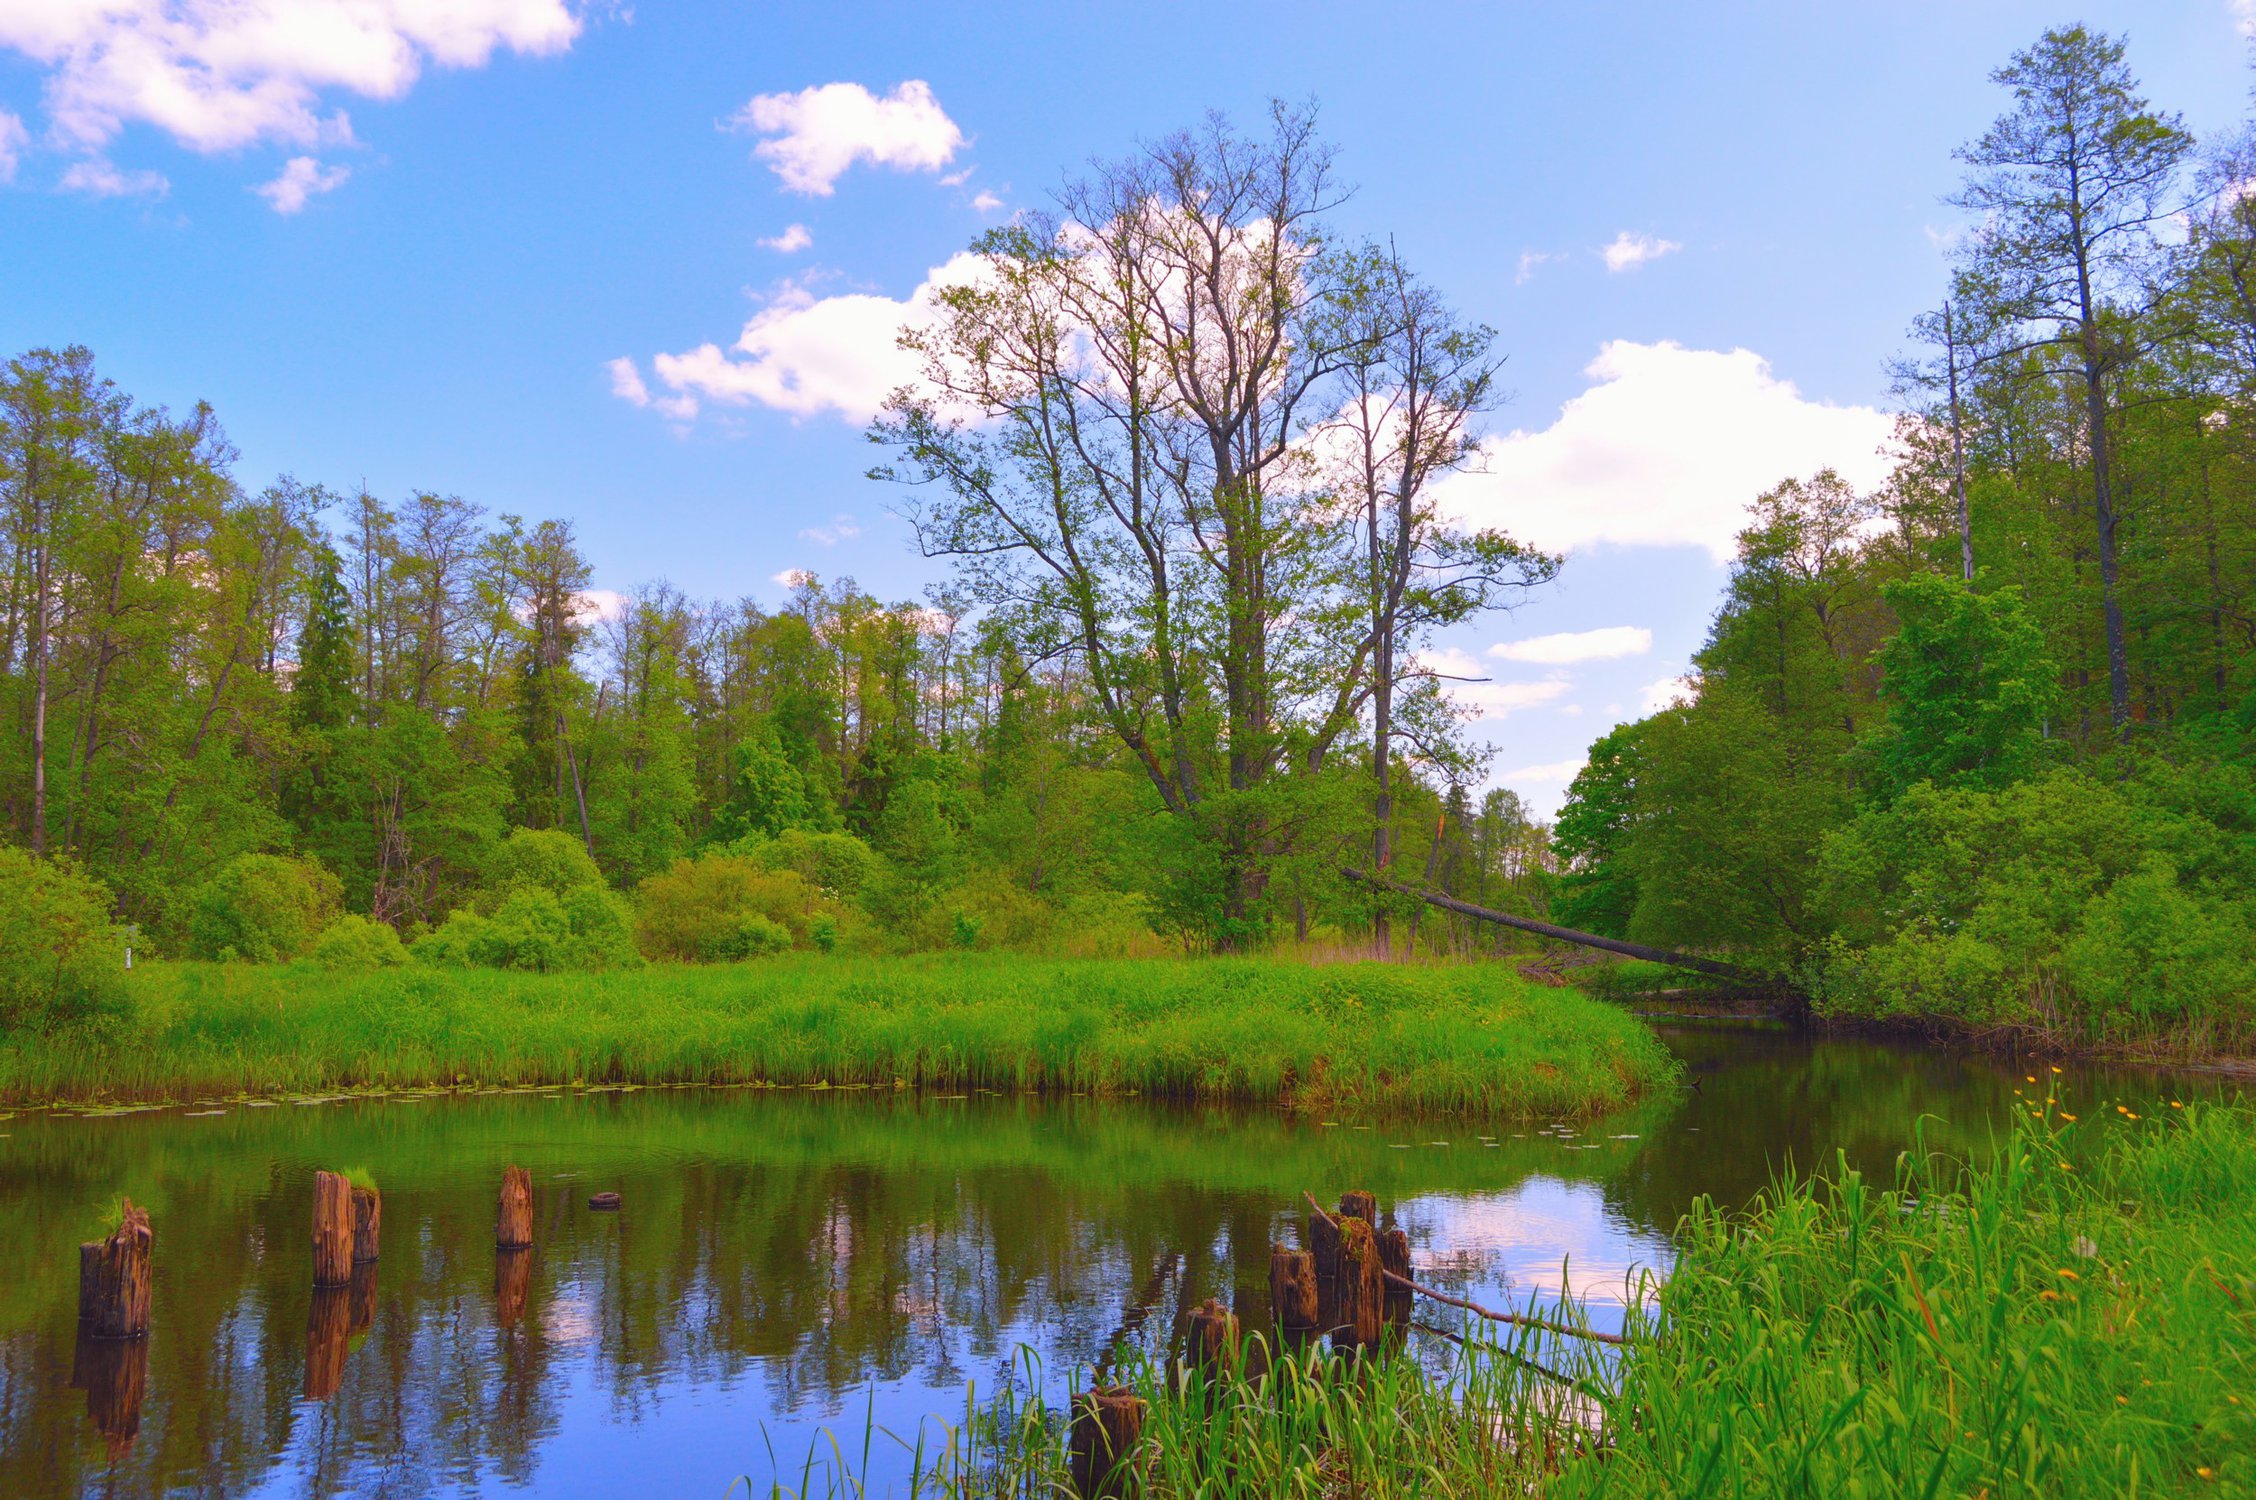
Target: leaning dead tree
<point>1673,959</point>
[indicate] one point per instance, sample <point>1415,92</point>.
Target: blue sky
<point>405,244</point>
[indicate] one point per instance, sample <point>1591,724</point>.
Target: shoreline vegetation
<point>2042,1322</point>
<point>1374,1037</point>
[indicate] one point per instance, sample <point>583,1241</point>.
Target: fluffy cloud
<point>1529,260</point>
<point>791,578</point>
<point>1467,685</point>
<point>1607,644</point>
<point>986,203</point>
<point>817,133</point>
<point>97,178</point>
<point>1664,692</point>
<point>13,137</point>
<point>790,242</point>
<point>807,355</point>
<point>627,385</point>
<point>1667,448</point>
<point>1629,251</point>
<point>302,178</point>
<point>221,74</point>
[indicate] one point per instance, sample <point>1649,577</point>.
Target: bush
<point>539,859</point>
<point>61,959</point>
<point>261,908</point>
<point>837,864</point>
<point>588,928</point>
<point>724,906</point>
<point>355,942</point>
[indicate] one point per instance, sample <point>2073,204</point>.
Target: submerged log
<point>368,1224</point>
<point>1292,1294</point>
<point>113,1278</point>
<point>513,1277</point>
<point>1108,1425</point>
<point>328,1336</point>
<point>114,1373</point>
<point>332,1229</point>
<point>513,1230</point>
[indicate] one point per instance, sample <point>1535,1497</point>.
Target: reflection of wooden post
<point>1394,1255</point>
<point>113,1278</point>
<point>367,1223</point>
<point>363,1299</point>
<point>332,1229</point>
<point>1108,1423</point>
<point>1362,1287</point>
<point>114,1373</point>
<point>513,1275</point>
<point>514,1228</point>
<point>328,1327</point>
<point>1323,1256</point>
<point>1213,1339</point>
<point>1292,1293</point>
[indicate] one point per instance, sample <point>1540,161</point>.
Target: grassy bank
<point>2026,1328</point>
<point>1363,1036</point>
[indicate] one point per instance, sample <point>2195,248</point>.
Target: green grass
<point>2026,1328</point>
<point>1365,1036</point>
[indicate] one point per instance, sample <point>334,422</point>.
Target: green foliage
<point>1968,685</point>
<point>353,942</point>
<point>62,962</point>
<point>837,864</point>
<point>261,908</point>
<point>588,928</point>
<point>545,859</point>
<point>720,907</point>
<point>1598,892</point>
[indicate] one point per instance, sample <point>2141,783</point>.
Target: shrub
<point>261,908</point>
<point>540,859</point>
<point>701,910</point>
<point>61,958</point>
<point>355,942</point>
<point>532,929</point>
<point>837,864</point>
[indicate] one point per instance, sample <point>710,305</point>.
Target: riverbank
<point>2027,1327</point>
<point>1360,1036</point>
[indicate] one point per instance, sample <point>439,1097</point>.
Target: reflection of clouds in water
<point>568,1320</point>
<point>1546,1237</point>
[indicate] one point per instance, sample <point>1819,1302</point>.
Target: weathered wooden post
<point>367,1224</point>
<point>1360,1205</point>
<point>1323,1256</point>
<point>328,1331</point>
<point>1292,1294</point>
<point>1394,1256</point>
<point>1108,1424</point>
<point>1213,1339</point>
<point>113,1278</point>
<point>514,1228</point>
<point>1362,1287</point>
<point>332,1229</point>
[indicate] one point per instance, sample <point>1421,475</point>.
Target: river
<point>791,1262</point>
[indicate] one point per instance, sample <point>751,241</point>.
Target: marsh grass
<point>2028,1326</point>
<point>1368,1036</point>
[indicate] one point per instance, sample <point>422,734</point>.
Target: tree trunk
<point>513,1229</point>
<point>113,1278</point>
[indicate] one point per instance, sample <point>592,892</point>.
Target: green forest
<point>1976,749</point>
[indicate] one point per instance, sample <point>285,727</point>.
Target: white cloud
<point>986,203</point>
<point>1549,771</point>
<point>806,355</point>
<point>791,578</point>
<point>2244,16</point>
<point>841,528</point>
<point>790,242</point>
<point>1466,684</point>
<point>1607,644</point>
<point>97,178</point>
<point>817,133</point>
<point>302,178</point>
<point>221,74</point>
<point>1665,691</point>
<point>599,604</point>
<point>13,139</point>
<point>626,382</point>
<point>1529,260</point>
<point>1666,449</point>
<point>1629,251</point>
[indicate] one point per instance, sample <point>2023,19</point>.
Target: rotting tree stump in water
<point>1359,1204</point>
<point>1323,1257</point>
<point>1108,1426</point>
<point>1213,1339</point>
<point>1394,1259</point>
<point>1292,1294</point>
<point>332,1229</point>
<point>113,1278</point>
<point>1361,1288</point>
<point>368,1224</point>
<point>513,1229</point>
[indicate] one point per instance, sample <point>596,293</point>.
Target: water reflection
<point>790,1260</point>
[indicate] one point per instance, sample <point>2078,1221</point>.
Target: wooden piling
<point>368,1224</point>
<point>1108,1425</point>
<point>113,1278</point>
<point>1292,1294</point>
<point>1361,1288</point>
<point>514,1228</point>
<point>1213,1339</point>
<point>332,1229</point>
<point>1360,1205</point>
<point>1394,1258</point>
<point>1323,1256</point>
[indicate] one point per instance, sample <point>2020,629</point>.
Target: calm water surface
<point>791,1261</point>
